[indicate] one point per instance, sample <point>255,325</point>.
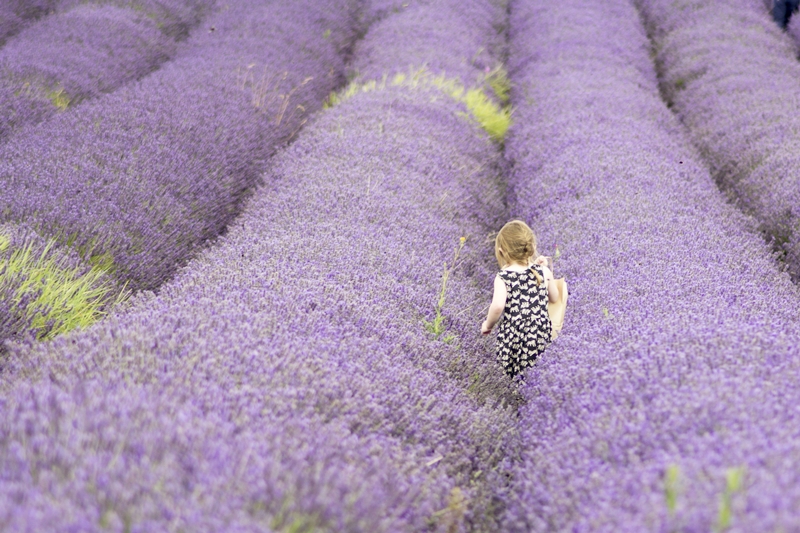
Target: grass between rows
<point>48,297</point>
<point>494,117</point>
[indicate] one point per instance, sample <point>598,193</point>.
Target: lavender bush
<point>467,57</point>
<point>729,72</point>
<point>285,379</point>
<point>10,22</point>
<point>668,403</point>
<point>46,289</point>
<point>15,14</point>
<point>173,17</point>
<point>165,163</point>
<point>70,57</point>
<point>793,28</point>
<point>84,52</point>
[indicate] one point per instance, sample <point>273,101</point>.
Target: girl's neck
<point>516,267</point>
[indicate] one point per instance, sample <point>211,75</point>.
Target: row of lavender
<point>731,76</point>
<point>86,49</point>
<point>147,173</point>
<point>285,379</point>
<point>793,28</point>
<point>16,14</point>
<point>175,17</point>
<point>138,179</point>
<point>670,401</point>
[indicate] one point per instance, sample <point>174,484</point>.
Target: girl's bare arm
<point>552,289</point>
<point>496,307</point>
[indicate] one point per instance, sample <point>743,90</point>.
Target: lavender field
<point>246,247</point>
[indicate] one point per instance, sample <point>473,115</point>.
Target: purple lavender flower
<point>409,44</point>
<point>175,18</point>
<point>9,22</point>
<point>793,29</point>
<point>15,14</point>
<point>86,51</point>
<point>725,68</point>
<point>150,172</point>
<point>284,378</point>
<point>674,375</point>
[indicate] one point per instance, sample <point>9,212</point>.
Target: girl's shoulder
<point>513,273</point>
<point>511,277</point>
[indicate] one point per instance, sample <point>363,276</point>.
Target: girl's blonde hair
<point>515,242</point>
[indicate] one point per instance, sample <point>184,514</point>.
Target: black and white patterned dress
<point>525,330</point>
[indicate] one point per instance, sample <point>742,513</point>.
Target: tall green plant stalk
<point>437,326</point>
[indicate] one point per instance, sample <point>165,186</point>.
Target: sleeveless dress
<point>525,330</point>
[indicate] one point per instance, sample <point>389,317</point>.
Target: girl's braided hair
<point>516,242</point>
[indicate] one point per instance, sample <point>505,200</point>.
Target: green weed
<point>267,93</point>
<point>57,299</point>
<point>671,487</point>
<point>493,118</point>
<point>288,521</point>
<point>734,479</point>
<point>500,84</point>
<point>59,98</point>
<point>42,90</point>
<point>437,326</point>
<point>103,262</point>
<point>474,382</point>
<point>452,516</point>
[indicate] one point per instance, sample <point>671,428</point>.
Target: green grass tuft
<point>493,118</point>
<point>59,98</point>
<point>103,262</point>
<point>500,84</point>
<point>672,487</point>
<point>53,299</point>
<point>734,481</point>
<point>292,521</point>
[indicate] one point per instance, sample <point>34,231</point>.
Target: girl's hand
<point>485,329</point>
<point>541,260</point>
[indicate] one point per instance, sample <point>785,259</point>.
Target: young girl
<point>522,289</point>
